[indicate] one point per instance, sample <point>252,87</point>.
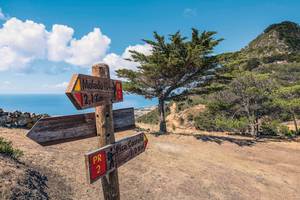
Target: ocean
<point>59,104</point>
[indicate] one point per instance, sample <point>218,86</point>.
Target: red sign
<point>110,157</point>
<point>97,163</point>
<point>118,91</point>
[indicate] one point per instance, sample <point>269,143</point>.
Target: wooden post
<point>105,129</point>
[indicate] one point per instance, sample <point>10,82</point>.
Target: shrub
<point>284,130</point>
<point>205,121</point>
<point>234,125</point>
<point>7,149</point>
<point>151,117</point>
<point>269,127</point>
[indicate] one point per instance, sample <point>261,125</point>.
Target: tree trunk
<point>252,129</point>
<point>162,120</point>
<point>256,126</point>
<point>295,122</point>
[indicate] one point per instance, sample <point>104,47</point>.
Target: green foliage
<point>205,121</point>
<point>270,128</point>
<point>174,68</point>
<point>288,98</point>
<point>151,117</point>
<point>285,74</point>
<point>262,80</point>
<point>284,130</point>
<point>213,122</point>
<point>238,108</point>
<point>7,149</point>
<point>171,65</point>
<point>234,125</point>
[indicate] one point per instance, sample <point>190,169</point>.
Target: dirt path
<point>175,167</point>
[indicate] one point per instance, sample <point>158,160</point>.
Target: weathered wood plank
<point>102,161</point>
<point>53,130</point>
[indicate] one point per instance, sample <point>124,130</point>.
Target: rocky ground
<point>195,167</point>
<point>19,119</point>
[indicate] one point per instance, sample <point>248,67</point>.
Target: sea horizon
<point>58,103</point>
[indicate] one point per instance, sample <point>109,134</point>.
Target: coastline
<point>20,119</point>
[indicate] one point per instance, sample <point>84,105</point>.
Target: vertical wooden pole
<point>105,129</point>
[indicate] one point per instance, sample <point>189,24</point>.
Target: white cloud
<point>89,49</point>
<point>118,61</point>
<point>57,42</point>
<point>190,12</point>
<point>22,42</point>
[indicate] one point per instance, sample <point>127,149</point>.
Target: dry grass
<point>175,167</point>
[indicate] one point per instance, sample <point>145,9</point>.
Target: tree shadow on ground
<point>220,139</point>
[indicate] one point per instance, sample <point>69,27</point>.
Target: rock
<point>23,121</point>
<point>19,119</point>
<point>2,120</point>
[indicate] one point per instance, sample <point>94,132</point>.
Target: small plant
<point>270,127</point>
<point>205,121</point>
<point>234,125</point>
<point>7,149</point>
<point>284,130</point>
<point>173,127</point>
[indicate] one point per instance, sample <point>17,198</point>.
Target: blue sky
<point>35,60</point>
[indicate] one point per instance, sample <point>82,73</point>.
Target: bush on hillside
<point>7,149</point>
<point>232,124</point>
<point>149,118</point>
<point>205,121</point>
<point>269,127</point>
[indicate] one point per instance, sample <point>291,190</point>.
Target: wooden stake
<point>105,129</point>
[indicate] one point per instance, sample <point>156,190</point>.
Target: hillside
<point>277,39</point>
<point>274,55</point>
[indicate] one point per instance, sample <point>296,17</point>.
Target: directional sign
<point>106,159</point>
<point>54,130</point>
<point>86,91</point>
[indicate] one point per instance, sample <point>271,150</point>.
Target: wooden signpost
<point>108,158</point>
<point>90,91</point>
<point>55,130</point>
<point>97,91</point>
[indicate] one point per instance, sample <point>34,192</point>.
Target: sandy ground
<point>174,167</point>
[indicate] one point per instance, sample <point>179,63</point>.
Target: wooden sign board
<point>54,130</point>
<point>86,91</point>
<point>106,159</point>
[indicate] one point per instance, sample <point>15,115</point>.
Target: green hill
<point>277,39</point>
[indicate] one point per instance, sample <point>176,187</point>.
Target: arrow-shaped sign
<point>54,130</point>
<point>86,91</point>
<point>106,159</point>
